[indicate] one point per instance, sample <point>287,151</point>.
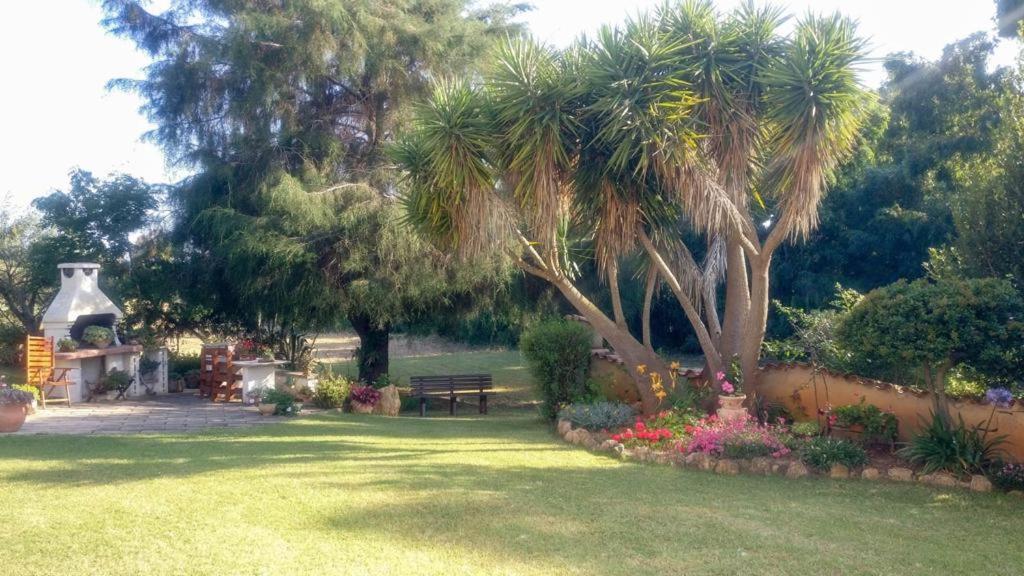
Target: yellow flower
<point>641,369</point>
<point>674,366</point>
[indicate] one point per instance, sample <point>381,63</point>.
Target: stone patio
<point>174,413</point>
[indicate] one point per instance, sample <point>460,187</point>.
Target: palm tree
<point>678,121</point>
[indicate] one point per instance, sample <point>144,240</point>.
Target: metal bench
<point>425,387</point>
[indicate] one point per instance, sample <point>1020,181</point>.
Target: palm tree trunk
<point>652,283</point>
<point>613,286</point>
<point>757,320</point>
<point>737,299</point>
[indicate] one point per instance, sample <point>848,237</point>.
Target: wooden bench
<point>424,387</point>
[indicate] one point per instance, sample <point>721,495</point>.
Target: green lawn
<point>347,494</point>
<point>512,381</point>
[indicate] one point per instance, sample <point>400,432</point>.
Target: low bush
<point>183,363</point>
<point>740,436</point>
<point>12,338</point>
<point>558,355</point>
<point>822,452</point>
<point>367,395</point>
<point>602,415</point>
<point>805,429</point>
<point>959,449</point>
<point>33,390</point>
<point>14,397</point>
<point>1007,476</point>
<point>331,392</point>
<point>878,426</point>
<point>285,402</point>
<point>678,420</point>
<point>643,435</point>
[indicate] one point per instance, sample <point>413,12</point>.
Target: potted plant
<point>98,336</point>
<point>364,398</point>
<point>34,391</point>
<point>13,408</point>
<point>147,370</point>
<point>192,379</point>
<point>731,396</point>
<point>284,403</point>
<point>67,345</point>
<point>175,382</point>
<point>113,381</point>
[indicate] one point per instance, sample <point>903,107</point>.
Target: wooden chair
<point>217,375</point>
<point>41,370</point>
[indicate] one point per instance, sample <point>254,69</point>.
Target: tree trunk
<point>757,319</point>
<point>652,283</point>
<point>737,300</point>
<point>613,286</point>
<point>372,356</point>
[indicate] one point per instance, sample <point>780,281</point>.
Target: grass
<point>348,494</point>
<point>512,381</point>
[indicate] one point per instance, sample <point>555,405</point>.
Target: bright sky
<point>56,59</point>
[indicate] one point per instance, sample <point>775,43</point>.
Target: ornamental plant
<point>731,382</point>
<point>878,426</point>
<point>641,435</point>
<point>822,452</point>
<point>737,437</point>
<point>98,335</point>
<point>14,397</point>
<point>601,415</point>
<point>1008,476</point>
<point>367,395</point>
<point>999,397</point>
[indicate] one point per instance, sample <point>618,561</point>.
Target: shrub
<point>113,380</point>
<point>14,397</point>
<point>148,365</point>
<point>558,355</point>
<point>805,429</point>
<point>712,435</point>
<point>12,337</point>
<point>906,330</point>
<point>98,335</point>
<point>66,345</point>
<point>365,395</point>
<point>878,426</point>
<point>331,392</point>
<point>285,403</point>
<point>183,363</point>
<point>33,390</point>
<point>602,415</point>
<point>1007,476</point>
<point>958,449</point>
<point>822,452</point>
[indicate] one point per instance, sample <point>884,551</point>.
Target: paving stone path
<point>173,413</point>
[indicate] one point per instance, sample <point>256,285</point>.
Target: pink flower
<point>727,388</point>
<point>720,375</point>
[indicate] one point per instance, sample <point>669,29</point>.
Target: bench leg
<point>423,406</point>
<point>483,403</point>
<point>451,406</point>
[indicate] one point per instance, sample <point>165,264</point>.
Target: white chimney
<point>79,295</point>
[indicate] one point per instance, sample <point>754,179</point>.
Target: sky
<point>55,59</point>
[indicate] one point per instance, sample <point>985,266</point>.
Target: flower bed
<point>742,445</point>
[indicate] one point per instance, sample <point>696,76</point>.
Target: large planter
<point>11,418</point>
<point>731,407</point>
<point>101,345</point>
<point>360,408</point>
<point>267,409</point>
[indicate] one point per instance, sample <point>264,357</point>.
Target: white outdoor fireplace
<point>79,304</point>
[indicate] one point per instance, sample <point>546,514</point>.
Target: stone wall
<point>803,392</point>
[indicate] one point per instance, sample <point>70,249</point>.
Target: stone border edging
<point>763,466</point>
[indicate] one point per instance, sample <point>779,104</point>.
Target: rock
<point>608,445</point>
<point>760,465</point>
<point>980,484</point>
<point>662,457</point>
<point>870,474</point>
<point>582,437</point>
<point>839,472</point>
<point>797,470</point>
<point>708,463</point>
<point>727,466</point>
<point>591,442</point>
<point>1016,493</point>
<point>779,467</point>
<point>389,404</point>
<point>564,426</point>
<point>693,460</point>
<point>901,474</point>
<point>940,479</point>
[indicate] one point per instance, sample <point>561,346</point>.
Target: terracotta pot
<point>267,409</point>
<point>731,402</point>
<point>360,408</point>
<point>11,418</point>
